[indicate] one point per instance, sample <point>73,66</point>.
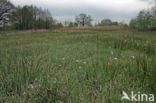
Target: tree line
<point>26,17</point>
<point>146,20</point>
<point>32,17</point>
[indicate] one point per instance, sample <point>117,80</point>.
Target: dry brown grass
<point>73,29</point>
<point>104,28</point>
<point>27,31</point>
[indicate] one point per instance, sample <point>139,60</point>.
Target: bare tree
<point>83,19</point>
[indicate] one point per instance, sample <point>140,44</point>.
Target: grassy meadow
<point>76,67</point>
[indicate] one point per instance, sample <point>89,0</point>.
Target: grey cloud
<point>149,1</point>
<point>97,14</point>
<point>67,9</point>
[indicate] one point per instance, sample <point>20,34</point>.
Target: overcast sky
<point>117,10</point>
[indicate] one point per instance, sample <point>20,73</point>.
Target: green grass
<point>76,67</point>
